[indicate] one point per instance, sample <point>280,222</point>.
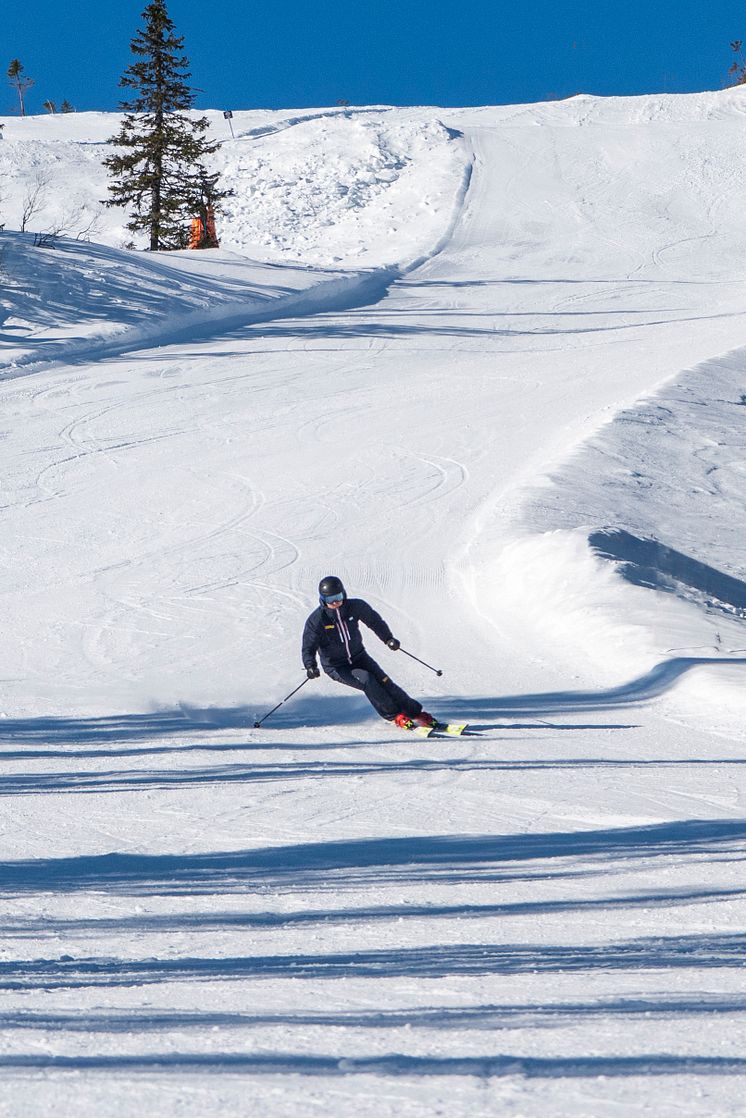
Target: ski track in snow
<point>325,914</point>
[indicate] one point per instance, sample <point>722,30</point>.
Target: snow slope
<point>486,365</point>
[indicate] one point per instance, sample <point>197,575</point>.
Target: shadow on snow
<point>445,859</point>
<point>346,707</point>
<point>212,921</point>
<point>392,1065</point>
<point>548,1015</point>
<point>649,563</point>
<point>134,780</point>
<point>657,953</point>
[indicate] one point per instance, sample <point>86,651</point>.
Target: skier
<point>333,632</point>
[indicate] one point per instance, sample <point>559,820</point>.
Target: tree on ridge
<point>19,80</point>
<point>159,171</point>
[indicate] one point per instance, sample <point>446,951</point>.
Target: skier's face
<point>334,601</point>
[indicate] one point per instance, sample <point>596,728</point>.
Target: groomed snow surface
<point>488,366</point>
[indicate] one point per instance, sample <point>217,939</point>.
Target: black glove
<point>393,644</point>
<point>313,673</point>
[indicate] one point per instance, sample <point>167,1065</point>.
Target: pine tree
<point>160,172</point>
<point>20,81</point>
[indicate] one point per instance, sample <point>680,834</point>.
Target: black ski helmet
<point>330,585</point>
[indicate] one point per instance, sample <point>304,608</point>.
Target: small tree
<point>50,107</point>
<point>35,198</point>
<point>159,172</point>
<point>19,80</point>
<point>66,107</point>
<point>738,66</point>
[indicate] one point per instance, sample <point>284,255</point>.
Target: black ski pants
<point>364,674</point>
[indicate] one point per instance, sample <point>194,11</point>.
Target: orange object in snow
<point>202,233</point>
<point>195,236</point>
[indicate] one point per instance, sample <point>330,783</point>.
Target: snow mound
<point>667,475</point>
<point>575,600</point>
<point>338,188</point>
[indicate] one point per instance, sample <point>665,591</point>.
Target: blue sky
<point>299,53</point>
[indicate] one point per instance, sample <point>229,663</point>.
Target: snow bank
<point>671,470</point>
<point>632,551</point>
<point>373,189</point>
<point>576,601</point>
<point>79,299</point>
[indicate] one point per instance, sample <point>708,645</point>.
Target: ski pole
<point>432,669</point>
<point>258,723</point>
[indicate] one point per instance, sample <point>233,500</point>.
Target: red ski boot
<point>404,722</point>
<point>426,719</point>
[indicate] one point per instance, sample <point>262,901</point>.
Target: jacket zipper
<point>344,634</point>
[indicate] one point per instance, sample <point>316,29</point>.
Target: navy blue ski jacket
<point>335,633</point>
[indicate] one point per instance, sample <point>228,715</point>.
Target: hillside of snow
<point>488,366</point>
<point>308,189</point>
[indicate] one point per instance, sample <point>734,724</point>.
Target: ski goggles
<point>331,599</point>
